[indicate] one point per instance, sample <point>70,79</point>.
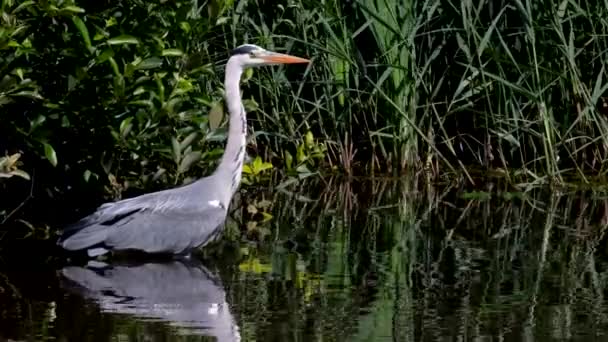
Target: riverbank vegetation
<point>106,99</point>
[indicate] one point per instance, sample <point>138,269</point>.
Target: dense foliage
<point>119,94</point>
<point>112,95</point>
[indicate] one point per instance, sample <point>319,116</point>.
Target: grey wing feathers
<point>155,223</point>
<point>175,232</point>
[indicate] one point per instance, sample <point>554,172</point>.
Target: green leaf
<point>264,166</point>
<point>19,72</point>
<point>188,140</point>
<point>288,160</point>
<point>184,25</point>
<point>247,170</point>
<point>301,154</point>
<point>309,139</point>
<point>257,164</point>
<point>216,114</point>
<point>177,151</point>
<point>20,173</point>
<point>114,66</point>
<point>84,32</point>
<point>126,126</point>
<point>188,160</point>
<point>172,52</point>
<point>139,90</point>
<point>23,5</point>
<point>74,9</point>
<point>86,175</point>
<point>122,40</point>
<point>50,154</point>
<point>30,94</point>
<point>158,174</point>
<point>105,55</point>
<point>222,21</point>
<point>302,169</point>
<point>266,216</point>
<point>111,22</point>
<point>150,63</point>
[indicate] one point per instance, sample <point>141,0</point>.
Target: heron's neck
<point>231,164</point>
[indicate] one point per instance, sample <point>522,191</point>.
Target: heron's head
<point>249,55</point>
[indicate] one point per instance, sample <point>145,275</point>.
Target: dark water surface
<point>370,261</point>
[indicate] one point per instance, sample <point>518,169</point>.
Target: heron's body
<point>177,221</point>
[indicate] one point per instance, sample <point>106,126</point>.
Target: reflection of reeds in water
<point>377,258</point>
<point>506,267</point>
<point>383,260</point>
<point>348,269</point>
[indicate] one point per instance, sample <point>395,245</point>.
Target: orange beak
<point>283,59</point>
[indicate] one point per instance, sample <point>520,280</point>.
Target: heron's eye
<point>252,55</point>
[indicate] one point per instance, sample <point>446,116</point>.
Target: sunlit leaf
<point>184,25</point>
<point>111,22</point>
<point>222,21</point>
<point>126,126</point>
<point>247,170</point>
<point>177,151</point>
<point>216,114</point>
<point>158,174</point>
<point>73,9</point>
<point>288,160</point>
<point>188,140</point>
<point>122,40</point>
<point>19,72</point>
<point>189,160</point>
<point>309,139</point>
<point>257,163</point>
<point>301,154</point>
<point>172,52</point>
<point>50,154</point>
<point>21,173</point>
<point>139,90</point>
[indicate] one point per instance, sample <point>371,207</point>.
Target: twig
<point>23,202</point>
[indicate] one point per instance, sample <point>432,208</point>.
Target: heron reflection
<point>182,293</point>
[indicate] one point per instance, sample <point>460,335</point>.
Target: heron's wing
<point>150,222</point>
<point>156,231</point>
<point>111,212</point>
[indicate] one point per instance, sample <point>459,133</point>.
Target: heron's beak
<point>280,58</point>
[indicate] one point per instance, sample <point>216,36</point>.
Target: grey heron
<point>179,220</point>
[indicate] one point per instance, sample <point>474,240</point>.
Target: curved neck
<point>231,164</point>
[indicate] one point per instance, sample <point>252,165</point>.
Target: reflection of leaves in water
<point>380,260</point>
<point>397,261</point>
<point>254,265</point>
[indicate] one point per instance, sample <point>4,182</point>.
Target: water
<point>369,261</point>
